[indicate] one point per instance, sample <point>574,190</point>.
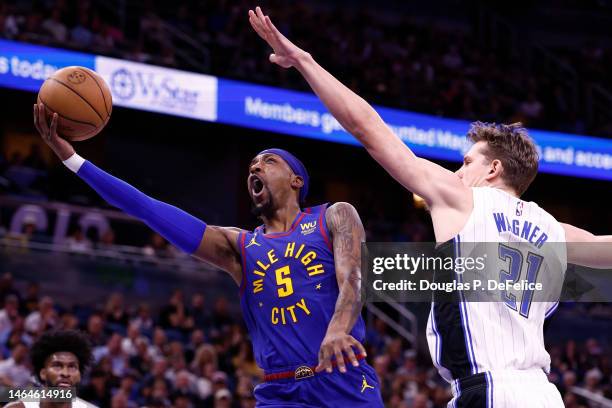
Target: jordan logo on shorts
<point>364,384</point>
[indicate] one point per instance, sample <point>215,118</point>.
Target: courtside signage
<point>25,66</point>
<point>157,89</point>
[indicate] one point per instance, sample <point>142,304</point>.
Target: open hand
<point>48,132</point>
<point>286,54</point>
<point>339,345</point>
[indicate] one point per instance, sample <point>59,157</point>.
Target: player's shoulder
<point>81,403</point>
<point>339,213</point>
<point>16,404</point>
<point>341,207</point>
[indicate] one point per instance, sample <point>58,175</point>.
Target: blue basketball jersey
<point>289,291</point>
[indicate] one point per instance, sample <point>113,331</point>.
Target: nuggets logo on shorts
<point>303,372</point>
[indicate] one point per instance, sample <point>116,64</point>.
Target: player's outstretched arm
<point>347,235</point>
<point>437,185</point>
<point>216,245</point>
<point>586,249</point>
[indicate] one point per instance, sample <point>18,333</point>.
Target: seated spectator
<point>81,35</point>
<point>13,337</point>
<point>143,318</point>
<point>223,398</point>
<point>45,318</point>
<point>78,242</point>
<point>68,321</point>
<point>201,315</point>
<point>112,350</point>
<point>159,348</point>
<point>55,27</point>
<point>95,330</point>
<point>114,311</point>
<point>128,344</point>
<point>157,247</point>
<point>184,386</point>
<point>31,298</point>
<point>196,339</point>
<point>142,360</point>
<point>175,315</point>
<point>8,314</point>
<point>15,372</point>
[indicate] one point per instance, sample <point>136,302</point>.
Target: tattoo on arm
<point>347,235</point>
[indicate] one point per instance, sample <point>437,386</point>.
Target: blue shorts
<point>356,388</point>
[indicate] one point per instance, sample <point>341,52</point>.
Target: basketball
<point>81,99</point>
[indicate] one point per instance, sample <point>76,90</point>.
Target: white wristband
<point>74,162</point>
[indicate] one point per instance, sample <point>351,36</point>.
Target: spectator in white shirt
<point>14,371</point>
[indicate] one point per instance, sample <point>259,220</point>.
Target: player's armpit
<point>586,249</point>
<point>219,247</point>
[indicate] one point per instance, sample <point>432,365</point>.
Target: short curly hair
<point>49,343</point>
<point>511,145</point>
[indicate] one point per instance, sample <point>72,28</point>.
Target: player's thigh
<point>275,394</point>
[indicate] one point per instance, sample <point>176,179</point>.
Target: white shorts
<point>506,389</point>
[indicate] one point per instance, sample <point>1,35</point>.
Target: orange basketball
<point>81,99</point>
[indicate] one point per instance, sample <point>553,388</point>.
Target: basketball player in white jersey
<point>58,359</point>
<point>493,354</point>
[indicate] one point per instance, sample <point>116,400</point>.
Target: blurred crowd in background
<point>194,352</point>
<point>388,58</point>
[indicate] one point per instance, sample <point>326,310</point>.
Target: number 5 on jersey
<point>284,281</point>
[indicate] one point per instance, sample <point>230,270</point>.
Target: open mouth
<point>256,184</point>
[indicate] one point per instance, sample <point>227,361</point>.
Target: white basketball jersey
<point>467,337</point>
<point>76,403</point>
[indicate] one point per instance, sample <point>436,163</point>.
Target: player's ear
<point>495,169</point>
<point>297,181</point>
<point>43,374</point>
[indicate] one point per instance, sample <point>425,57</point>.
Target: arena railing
<point>595,400</point>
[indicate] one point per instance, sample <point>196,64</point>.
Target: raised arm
<point>586,249</point>
<point>438,186</point>
<point>216,245</point>
<point>347,235</point>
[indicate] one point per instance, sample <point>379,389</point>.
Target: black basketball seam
<point>64,116</point>
<point>85,100</point>
<point>101,91</point>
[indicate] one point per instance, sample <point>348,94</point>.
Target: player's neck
<point>280,219</point>
<point>504,188</point>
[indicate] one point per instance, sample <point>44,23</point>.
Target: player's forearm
<point>587,249</point>
<point>180,228</point>
<point>352,112</point>
<point>348,306</point>
<point>594,253</point>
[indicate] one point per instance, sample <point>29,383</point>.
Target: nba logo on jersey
<point>519,208</point>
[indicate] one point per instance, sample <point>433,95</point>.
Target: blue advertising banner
<point>26,66</point>
<point>302,114</point>
<point>169,91</point>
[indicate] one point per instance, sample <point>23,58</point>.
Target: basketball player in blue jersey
<point>492,353</point>
<point>299,275</point>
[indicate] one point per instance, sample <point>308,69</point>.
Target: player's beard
<point>265,207</point>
